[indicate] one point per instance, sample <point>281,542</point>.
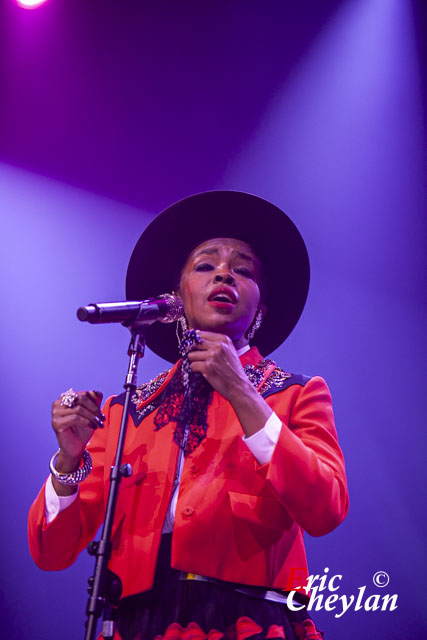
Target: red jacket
<point>236,520</point>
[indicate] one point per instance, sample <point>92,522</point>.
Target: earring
<point>256,325</point>
<point>181,328</point>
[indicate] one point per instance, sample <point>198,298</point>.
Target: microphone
<point>166,308</point>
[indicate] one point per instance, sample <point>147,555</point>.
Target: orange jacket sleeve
<point>307,469</point>
<point>56,545</point>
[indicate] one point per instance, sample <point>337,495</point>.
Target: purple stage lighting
<point>30,4</point>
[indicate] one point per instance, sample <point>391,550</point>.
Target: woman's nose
<point>226,278</point>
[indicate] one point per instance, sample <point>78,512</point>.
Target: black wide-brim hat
<point>163,248</point>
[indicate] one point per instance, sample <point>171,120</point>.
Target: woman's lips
<point>223,294</point>
<point>223,298</point>
<point>224,306</point>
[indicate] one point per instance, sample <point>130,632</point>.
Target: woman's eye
<point>243,271</point>
<point>204,266</point>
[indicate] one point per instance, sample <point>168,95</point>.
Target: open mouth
<point>221,298</point>
<point>224,296</point>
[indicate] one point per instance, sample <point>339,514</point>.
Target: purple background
<point>111,111</point>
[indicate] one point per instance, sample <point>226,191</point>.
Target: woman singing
<point>233,457</point>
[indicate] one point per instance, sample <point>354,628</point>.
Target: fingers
<point>79,417</point>
<point>199,367</point>
<point>210,337</point>
<point>209,341</point>
<point>210,348</point>
<point>198,354</point>
<point>74,425</point>
<point>96,396</point>
<point>85,412</point>
<point>91,401</point>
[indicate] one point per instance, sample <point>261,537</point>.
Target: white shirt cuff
<point>54,504</point>
<point>262,443</point>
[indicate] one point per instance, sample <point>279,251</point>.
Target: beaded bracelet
<point>72,478</point>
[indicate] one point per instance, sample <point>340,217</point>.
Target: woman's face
<point>220,288</point>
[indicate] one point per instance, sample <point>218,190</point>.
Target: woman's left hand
<point>217,360</point>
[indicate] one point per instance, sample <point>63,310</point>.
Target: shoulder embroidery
<point>144,391</point>
<point>256,372</point>
<point>276,381</point>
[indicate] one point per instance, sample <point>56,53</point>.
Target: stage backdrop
<point>111,111</point>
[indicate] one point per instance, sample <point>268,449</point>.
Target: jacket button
<point>188,511</point>
<point>194,468</point>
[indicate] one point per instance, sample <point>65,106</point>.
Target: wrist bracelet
<point>76,476</point>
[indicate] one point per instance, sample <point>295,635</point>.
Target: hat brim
<point>164,246</point>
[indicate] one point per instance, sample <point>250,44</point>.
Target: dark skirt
<point>195,610</point>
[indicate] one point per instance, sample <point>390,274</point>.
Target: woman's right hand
<point>73,427</point>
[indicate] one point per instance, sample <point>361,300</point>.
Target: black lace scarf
<point>185,401</point>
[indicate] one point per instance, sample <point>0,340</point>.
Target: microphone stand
<point>104,586</point>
